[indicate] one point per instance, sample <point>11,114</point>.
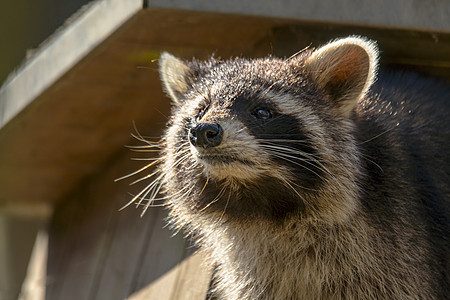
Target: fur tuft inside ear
<point>345,69</point>
<point>175,75</point>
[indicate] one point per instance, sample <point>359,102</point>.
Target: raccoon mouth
<point>222,159</point>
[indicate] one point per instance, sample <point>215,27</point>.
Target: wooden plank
<point>89,238</point>
<point>98,252</point>
<point>17,237</point>
<point>194,278</point>
<point>87,230</point>
<point>34,285</point>
<point>122,259</point>
<point>407,14</point>
<point>63,241</point>
<point>60,53</point>
<point>33,22</point>
<point>189,280</point>
<point>158,273</point>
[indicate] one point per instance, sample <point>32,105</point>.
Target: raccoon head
<point>266,137</point>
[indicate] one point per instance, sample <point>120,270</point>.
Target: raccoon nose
<point>206,135</point>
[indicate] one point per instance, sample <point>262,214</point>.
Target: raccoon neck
<point>307,260</point>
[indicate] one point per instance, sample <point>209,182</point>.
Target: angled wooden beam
<point>401,14</point>
<point>82,33</point>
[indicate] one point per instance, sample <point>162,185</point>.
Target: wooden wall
<point>96,251</point>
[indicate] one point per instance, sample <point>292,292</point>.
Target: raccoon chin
<point>227,167</point>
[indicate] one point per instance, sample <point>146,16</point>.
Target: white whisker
<point>215,199</point>
<point>152,198</point>
<point>145,190</point>
<point>145,177</point>
<point>298,194</point>
<point>367,157</point>
<point>291,159</point>
<point>148,147</point>
<point>226,205</point>
<point>145,158</point>
<point>378,135</point>
<point>136,172</point>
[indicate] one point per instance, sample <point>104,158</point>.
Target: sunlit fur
<point>332,206</point>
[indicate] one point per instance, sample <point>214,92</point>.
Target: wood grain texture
<point>99,252</point>
<point>34,285</point>
<point>406,14</point>
<point>86,29</point>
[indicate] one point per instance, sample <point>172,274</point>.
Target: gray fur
<point>327,199</point>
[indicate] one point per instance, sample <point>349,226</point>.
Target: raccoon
<point>307,178</point>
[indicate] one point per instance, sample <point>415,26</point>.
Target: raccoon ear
<point>175,75</point>
<point>345,69</point>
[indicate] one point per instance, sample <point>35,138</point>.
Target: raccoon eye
<point>263,114</point>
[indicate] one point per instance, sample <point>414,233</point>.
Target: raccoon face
<point>264,136</point>
<point>220,141</point>
<point>248,137</point>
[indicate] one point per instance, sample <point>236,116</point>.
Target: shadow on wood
<point>99,252</point>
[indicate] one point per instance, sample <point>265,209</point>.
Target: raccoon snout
<point>206,135</point>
